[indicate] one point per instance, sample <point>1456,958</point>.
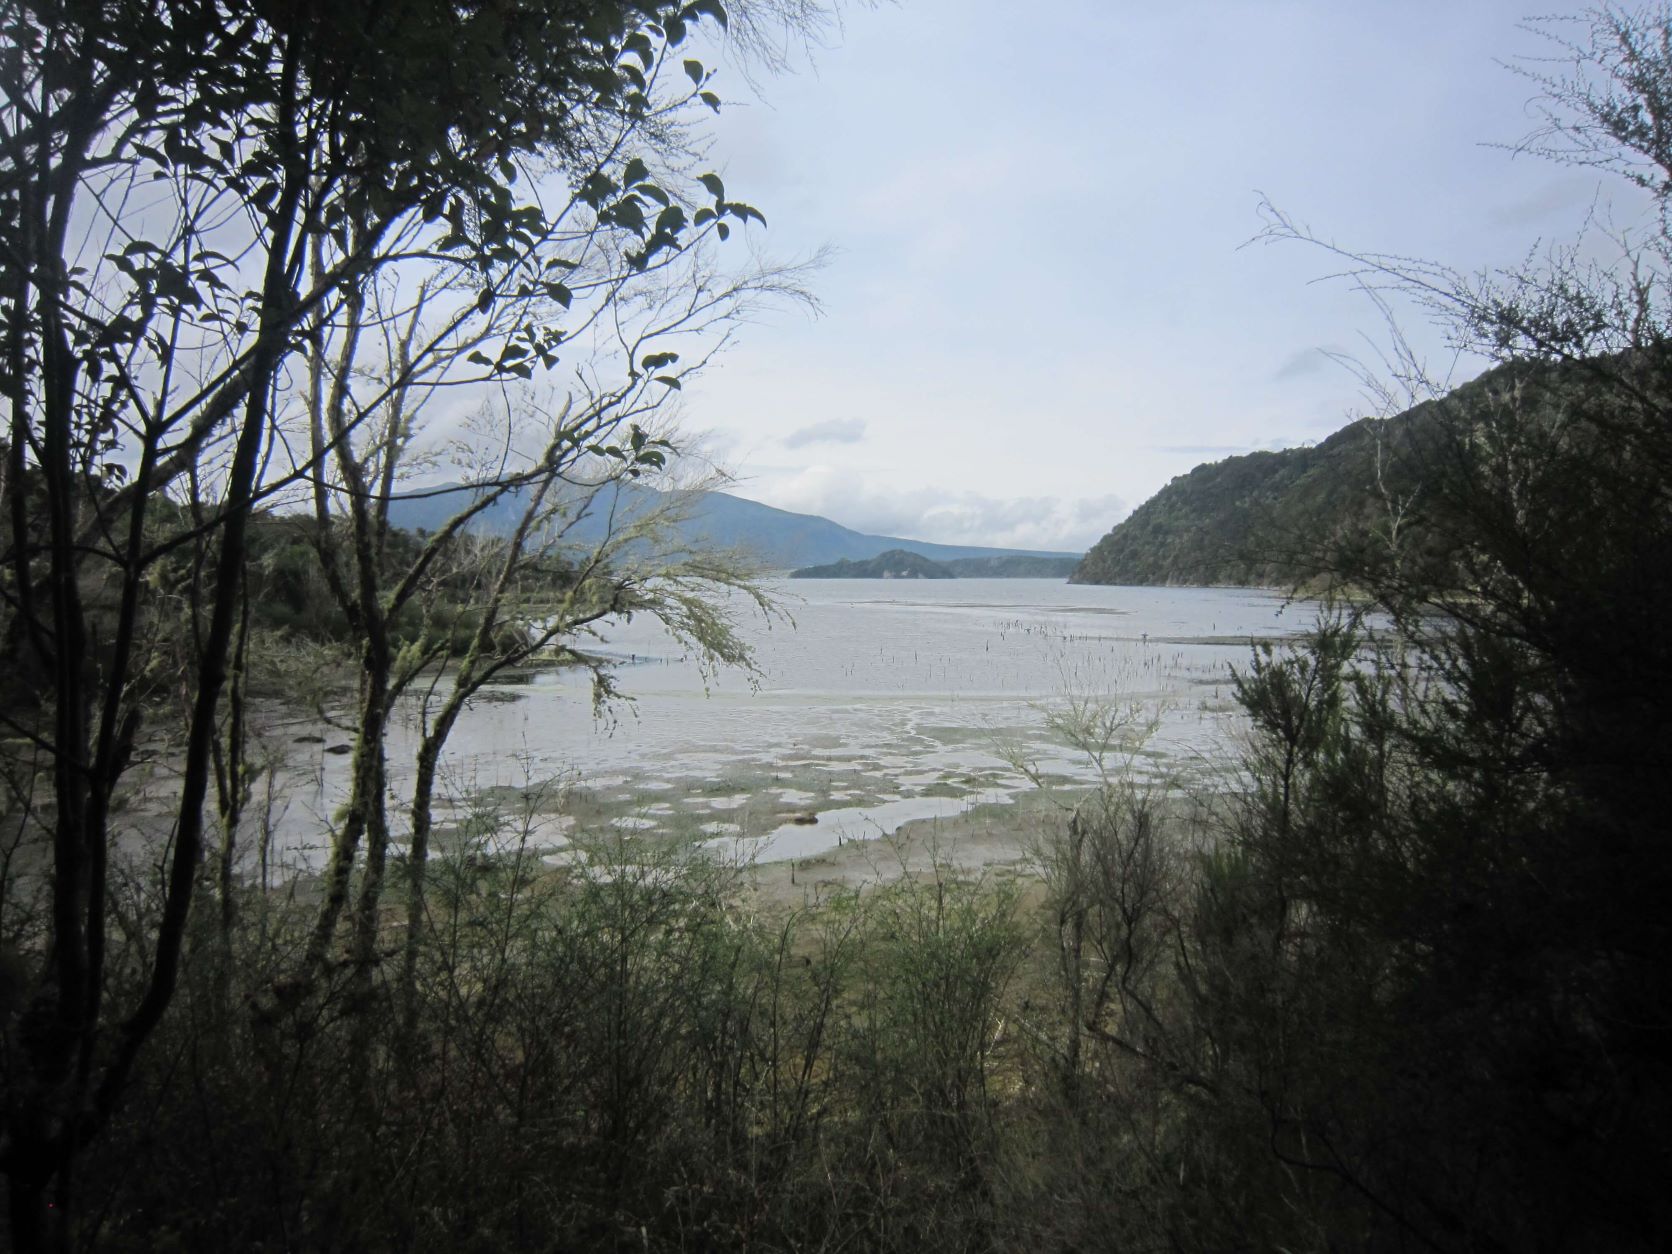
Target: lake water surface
<point>881,702</point>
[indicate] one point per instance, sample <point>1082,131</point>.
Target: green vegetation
<point>1406,984</point>
<point>1269,519</point>
<point>901,564</point>
<point>291,597</point>
<point>894,564</point>
<point>625,1059</point>
<point>296,259</point>
<point>1019,566</point>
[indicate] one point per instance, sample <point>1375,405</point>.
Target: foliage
<point>1276,518</point>
<point>1016,566</point>
<point>894,564</point>
<point>1419,982</point>
<point>245,247</point>
<point>615,1055</point>
<point>1409,990</point>
<point>904,564</point>
<point>1424,972</point>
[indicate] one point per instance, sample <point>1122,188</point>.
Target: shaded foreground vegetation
<point>1360,1002</point>
<point>1407,985</point>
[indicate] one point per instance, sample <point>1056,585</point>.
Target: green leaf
<point>744,212</point>
<point>667,380</point>
<point>636,172</point>
<point>723,229</point>
<point>629,213</point>
<point>597,186</point>
<point>602,80</point>
<point>638,45</point>
<point>695,72</point>
<point>709,99</point>
<point>710,8</point>
<point>560,293</point>
<point>715,187</point>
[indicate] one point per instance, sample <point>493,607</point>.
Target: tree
<point>1438,929</point>
<point>208,206</point>
<point>539,584</point>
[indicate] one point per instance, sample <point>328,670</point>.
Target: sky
<point>1042,302</point>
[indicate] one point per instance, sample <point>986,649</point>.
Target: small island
<point>894,564</point>
<point>903,564</point>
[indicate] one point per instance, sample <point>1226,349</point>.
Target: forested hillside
<point>894,564</point>
<point>1395,977</point>
<point>1263,519</point>
<point>909,564</point>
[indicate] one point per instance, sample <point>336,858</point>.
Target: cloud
<point>1306,361</point>
<point>835,431</point>
<point>1272,444</point>
<point>1068,524</point>
<point>1567,196</point>
<point>1200,450</point>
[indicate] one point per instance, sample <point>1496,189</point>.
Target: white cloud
<point>1306,361</point>
<point>1211,451</point>
<point>834,431</point>
<point>1070,524</point>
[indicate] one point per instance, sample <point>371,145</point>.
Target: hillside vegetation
<point>1019,566</point>
<point>1263,519</point>
<point>904,564</point>
<point>1399,980</point>
<point>894,564</point>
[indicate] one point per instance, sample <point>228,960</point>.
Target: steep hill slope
<point>1262,519</point>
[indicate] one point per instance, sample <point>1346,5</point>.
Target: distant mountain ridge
<point>778,539</point>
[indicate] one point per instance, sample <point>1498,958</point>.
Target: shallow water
<point>882,702</point>
<point>834,828</point>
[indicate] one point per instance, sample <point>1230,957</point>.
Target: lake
<point>877,702</point>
